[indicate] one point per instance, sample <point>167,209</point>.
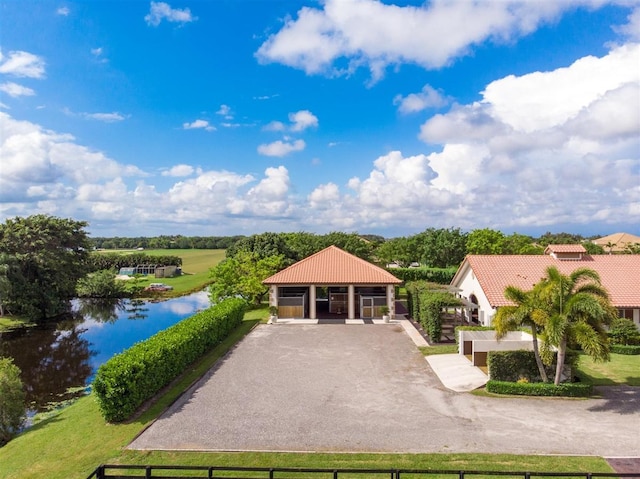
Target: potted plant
<point>385,313</point>
<point>273,314</point>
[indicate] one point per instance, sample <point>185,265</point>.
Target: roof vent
<point>565,252</point>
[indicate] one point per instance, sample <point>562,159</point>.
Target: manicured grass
<point>441,349</point>
<point>622,369</point>
<point>196,264</point>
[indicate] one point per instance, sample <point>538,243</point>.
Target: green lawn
<point>195,267</point>
<point>439,349</point>
<point>622,369</point>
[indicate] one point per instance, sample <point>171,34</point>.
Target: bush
<point>629,350</point>
<point>624,331</point>
<point>435,275</point>
<point>512,366</point>
<point>12,400</point>
<point>101,284</point>
<point>540,389</point>
<point>426,303</point>
<point>128,379</point>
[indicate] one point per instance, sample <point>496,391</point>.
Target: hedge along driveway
<point>348,388</point>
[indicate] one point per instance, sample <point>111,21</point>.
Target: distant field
<point>195,267</point>
<point>193,260</point>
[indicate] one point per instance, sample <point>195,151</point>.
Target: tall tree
<point>396,250</point>
<point>242,275</point>
<point>525,312</point>
<point>485,241</point>
<point>578,308</point>
<point>441,248</point>
<point>50,255</point>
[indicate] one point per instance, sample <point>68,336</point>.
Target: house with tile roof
<point>482,279</point>
<point>617,242</point>
<point>332,283</point>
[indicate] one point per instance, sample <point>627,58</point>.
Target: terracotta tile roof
<point>332,266</point>
<point>618,240</point>
<point>565,248</point>
<point>620,274</point>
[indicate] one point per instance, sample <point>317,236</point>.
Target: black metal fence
<point>210,472</point>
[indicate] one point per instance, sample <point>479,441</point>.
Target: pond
<point>59,360</point>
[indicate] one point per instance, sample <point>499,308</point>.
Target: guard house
<point>332,283</point>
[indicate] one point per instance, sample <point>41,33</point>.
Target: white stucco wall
<point>469,285</point>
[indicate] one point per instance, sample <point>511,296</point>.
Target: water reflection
<point>57,357</point>
<point>52,360</point>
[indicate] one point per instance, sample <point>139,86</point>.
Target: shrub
<point>426,304</point>
<point>12,400</point>
<point>540,389</point>
<point>128,379</point>
<point>101,284</point>
<point>435,275</point>
<point>624,331</point>
<point>512,366</point>
<point>630,350</point>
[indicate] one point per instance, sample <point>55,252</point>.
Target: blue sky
<point>244,116</point>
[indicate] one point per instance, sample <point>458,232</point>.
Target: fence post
<point>147,472</point>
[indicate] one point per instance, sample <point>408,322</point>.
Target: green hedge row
<point>128,379</point>
<point>512,366</point>
<point>426,302</point>
<point>540,389</point>
<point>625,349</point>
<point>435,275</point>
<point>115,261</point>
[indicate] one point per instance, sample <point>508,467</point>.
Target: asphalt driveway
<point>352,388</point>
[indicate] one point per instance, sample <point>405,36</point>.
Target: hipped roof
<point>619,274</point>
<point>618,240</point>
<point>332,266</point>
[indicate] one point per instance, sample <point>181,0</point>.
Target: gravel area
<point>350,388</point>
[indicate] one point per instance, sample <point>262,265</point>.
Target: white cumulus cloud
<point>371,33</point>
<point>179,171</point>
<point>415,102</point>
<point>14,90</point>
<point>22,64</point>
<point>281,148</point>
<point>198,124</point>
<point>162,11</point>
<point>303,119</point>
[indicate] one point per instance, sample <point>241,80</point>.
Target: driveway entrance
<point>295,387</point>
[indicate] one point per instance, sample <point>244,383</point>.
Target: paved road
<point>367,388</point>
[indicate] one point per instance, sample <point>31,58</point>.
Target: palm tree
<point>577,306</point>
<point>525,312</point>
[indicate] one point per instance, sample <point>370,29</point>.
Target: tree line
<point>42,257</point>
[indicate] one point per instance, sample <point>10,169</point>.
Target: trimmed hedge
<point>540,389</point>
<point>130,378</point>
<point>435,275</point>
<point>512,366</point>
<point>426,303</point>
<point>625,349</point>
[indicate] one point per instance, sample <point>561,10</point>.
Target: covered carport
<point>332,284</point>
